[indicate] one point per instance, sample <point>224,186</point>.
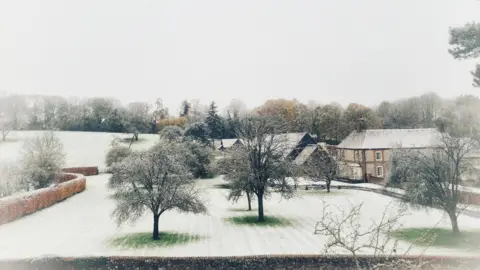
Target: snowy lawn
<point>81,226</point>
<point>81,148</point>
<point>440,237</point>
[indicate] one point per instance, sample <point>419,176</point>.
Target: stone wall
<point>17,206</point>
<point>249,262</point>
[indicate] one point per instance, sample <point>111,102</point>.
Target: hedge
<point>248,262</point>
<point>15,207</point>
<point>87,171</point>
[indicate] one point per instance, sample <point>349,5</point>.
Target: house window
<point>379,171</point>
<point>378,156</point>
<point>357,155</point>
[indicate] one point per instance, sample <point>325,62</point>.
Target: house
<point>307,153</point>
<point>295,143</point>
<point>365,154</point>
<point>472,175</point>
<point>225,144</point>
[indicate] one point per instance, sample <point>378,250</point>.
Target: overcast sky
<point>325,50</point>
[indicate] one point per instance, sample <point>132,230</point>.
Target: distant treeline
<point>330,122</point>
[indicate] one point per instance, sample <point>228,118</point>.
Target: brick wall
<point>470,198</point>
<point>15,207</point>
<point>249,262</point>
<point>87,171</point>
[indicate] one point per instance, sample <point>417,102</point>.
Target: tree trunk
<point>249,198</point>
<point>454,221</point>
<point>261,217</point>
<point>328,185</point>
<point>156,235</point>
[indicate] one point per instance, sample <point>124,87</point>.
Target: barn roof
<point>305,154</point>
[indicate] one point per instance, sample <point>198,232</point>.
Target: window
<point>378,155</point>
<point>357,155</point>
<point>379,171</point>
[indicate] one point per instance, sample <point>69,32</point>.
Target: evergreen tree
<point>214,123</point>
<point>185,109</point>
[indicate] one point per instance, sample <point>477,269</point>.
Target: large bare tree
<point>433,177</point>
<point>157,179</point>
<point>263,159</point>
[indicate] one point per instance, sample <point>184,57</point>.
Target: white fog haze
<point>343,51</point>
<point>218,134</point>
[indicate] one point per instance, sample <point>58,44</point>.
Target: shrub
<point>199,158</point>
<point>117,154</point>
<point>10,182</point>
<point>42,160</point>
<point>171,133</point>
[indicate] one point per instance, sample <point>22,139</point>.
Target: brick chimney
<point>360,124</point>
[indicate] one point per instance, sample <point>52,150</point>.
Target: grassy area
<point>252,220</point>
<point>222,186</point>
<point>128,140</point>
<point>439,237</point>
<point>142,240</point>
<point>240,209</point>
<point>319,192</point>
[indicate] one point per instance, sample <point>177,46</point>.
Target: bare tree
<point>433,177</point>
<point>239,178</point>
<point>42,159</point>
<point>138,119</point>
<point>10,182</point>
<point>157,179</point>
<point>346,230</point>
<point>321,166</point>
<point>12,113</point>
<point>264,159</point>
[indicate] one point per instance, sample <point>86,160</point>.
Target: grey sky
<point>324,50</point>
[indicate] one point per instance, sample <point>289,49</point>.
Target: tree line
<point>330,122</point>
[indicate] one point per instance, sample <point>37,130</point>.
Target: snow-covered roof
<point>305,154</point>
<point>391,138</point>
<point>227,143</point>
<point>291,140</point>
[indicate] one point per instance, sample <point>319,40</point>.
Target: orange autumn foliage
<point>179,121</point>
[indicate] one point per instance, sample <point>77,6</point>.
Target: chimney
<point>360,124</point>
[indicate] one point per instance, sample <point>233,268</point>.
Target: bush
<point>42,160</point>
<point>171,133</point>
<point>10,182</point>
<point>117,154</point>
<point>199,158</point>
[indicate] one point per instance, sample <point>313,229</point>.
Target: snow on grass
<point>440,237</point>
<point>141,240</point>
<point>81,148</point>
<point>82,226</point>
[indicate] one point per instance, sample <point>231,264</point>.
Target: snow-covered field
<point>81,148</point>
<point>81,226</point>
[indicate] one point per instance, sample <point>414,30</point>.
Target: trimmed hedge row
<point>87,171</point>
<point>249,262</point>
<point>15,207</point>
